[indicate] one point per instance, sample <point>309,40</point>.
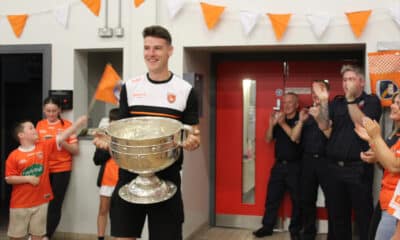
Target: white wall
<point>188,29</point>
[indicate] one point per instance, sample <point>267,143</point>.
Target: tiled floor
<point>216,233</point>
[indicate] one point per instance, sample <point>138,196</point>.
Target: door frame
<point>263,53</point>
<point>45,50</point>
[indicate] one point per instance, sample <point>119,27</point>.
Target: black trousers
<point>284,177</point>
<point>314,173</point>
<point>350,189</point>
<point>59,183</point>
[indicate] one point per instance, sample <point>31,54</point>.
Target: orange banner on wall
<point>137,3</point>
<point>358,21</point>
<point>211,14</point>
<point>279,23</point>
<point>17,23</point>
<point>93,5</point>
<point>384,74</point>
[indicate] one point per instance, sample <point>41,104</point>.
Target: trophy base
<point>147,189</point>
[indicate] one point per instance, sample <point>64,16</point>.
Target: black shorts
<point>165,219</point>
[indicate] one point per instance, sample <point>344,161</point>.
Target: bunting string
<point>317,22</point>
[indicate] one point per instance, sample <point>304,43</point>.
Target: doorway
<point>25,81</point>
<point>242,165</point>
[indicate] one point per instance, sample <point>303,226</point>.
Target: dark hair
<point>113,114</point>
<point>323,81</point>
<point>55,101</point>
<point>157,31</point>
<point>18,128</point>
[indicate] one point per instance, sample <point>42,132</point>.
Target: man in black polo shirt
<point>351,184</point>
<point>285,174</point>
<point>314,163</point>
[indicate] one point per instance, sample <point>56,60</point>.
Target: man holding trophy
<point>158,93</point>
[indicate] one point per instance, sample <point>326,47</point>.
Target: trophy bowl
<point>145,145</point>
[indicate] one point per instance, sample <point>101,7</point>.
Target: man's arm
<point>355,113</point>
<point>296,130</point>
<point>323,117</point>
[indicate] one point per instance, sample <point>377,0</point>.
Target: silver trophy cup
<point>145,145</point>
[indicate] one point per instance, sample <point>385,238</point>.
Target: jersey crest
<point>171,97</point>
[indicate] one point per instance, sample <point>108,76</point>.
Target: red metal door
<point>229,152</point>
<point>269,77</point>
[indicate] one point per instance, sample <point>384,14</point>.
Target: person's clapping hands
<point>369,130</point>
<point>368,156</point>
<point>303,115</point>
<point>275,117</point>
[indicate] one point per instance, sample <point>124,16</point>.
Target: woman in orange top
<point>60,162</point>
<point>388,157</point>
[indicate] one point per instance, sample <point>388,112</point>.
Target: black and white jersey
<point>172,98</point>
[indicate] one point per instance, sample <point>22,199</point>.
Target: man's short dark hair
<point>157,31</point>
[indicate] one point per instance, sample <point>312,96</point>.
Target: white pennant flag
<point>61,14</point>
<point>174,6</point>
<point>395,12</point>
<point>319,23</point>
<point>248,20</point>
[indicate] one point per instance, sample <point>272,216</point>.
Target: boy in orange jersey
<point>27,170</point>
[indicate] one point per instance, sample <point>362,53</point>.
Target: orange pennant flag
<point>138,3</point>
<point>358,21</point>
<point>211,14</point>
<point>17,23</point>
<point>109,86</point>
<point>279,23</point>
<point>93,5</point>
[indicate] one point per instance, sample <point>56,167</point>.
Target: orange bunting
<point>109,86</point>
<point>138,3</point>
<point>93,5</point>
<point>279,23</point>
<point>211,14</point>
<point>17,23</point>
<point>358,21</point>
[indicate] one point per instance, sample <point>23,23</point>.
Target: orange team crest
<point>171,97</point>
